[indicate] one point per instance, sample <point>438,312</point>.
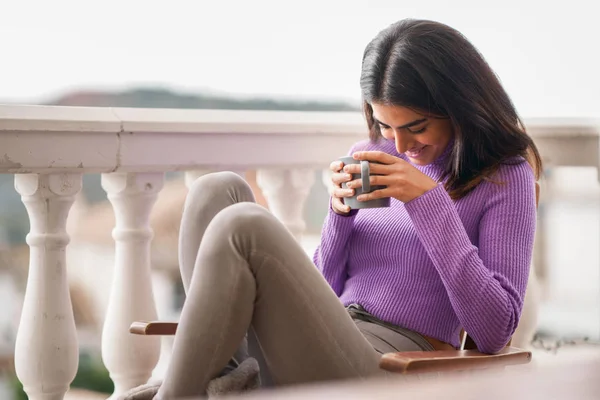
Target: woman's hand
<point>403,181</point>
<point>337,192</point>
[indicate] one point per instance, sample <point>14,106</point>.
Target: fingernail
<point>349,184</point>
<point>350,191</point>
<point>360,198</point>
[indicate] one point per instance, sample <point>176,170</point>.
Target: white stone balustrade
<point>130,359</point>
<point>48,148</point>
<point>286,190</point>
<point>46,353</point>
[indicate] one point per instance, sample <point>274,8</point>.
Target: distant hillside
<point>163,98</point>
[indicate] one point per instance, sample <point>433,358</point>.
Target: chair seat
<point>403,362</point>
<point>451,360</point>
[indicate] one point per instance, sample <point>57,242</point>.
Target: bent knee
<point>245,218</point>
<point>225,183</point>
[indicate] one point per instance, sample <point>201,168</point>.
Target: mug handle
<point>365,172</point>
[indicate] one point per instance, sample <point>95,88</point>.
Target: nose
<point>404,141</point>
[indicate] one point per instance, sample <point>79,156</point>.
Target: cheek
<point>434,139</point>
<point>388,134</point>
<point>441,134</point>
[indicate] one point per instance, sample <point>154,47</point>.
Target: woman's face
<point>420,137</point>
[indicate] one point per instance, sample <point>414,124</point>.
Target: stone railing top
<point>18,118</point>
<point>45,139</point>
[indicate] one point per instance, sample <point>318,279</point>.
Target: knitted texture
<point>434,265</point>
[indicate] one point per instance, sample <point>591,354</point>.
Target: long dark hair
<point>432,68</point>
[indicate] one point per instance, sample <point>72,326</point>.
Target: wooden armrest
<point>451,360</point>
<point>153,328</point>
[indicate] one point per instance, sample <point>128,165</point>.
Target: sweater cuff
<point>432,198</point>
<point>340,222</point>
<point>352,212</point>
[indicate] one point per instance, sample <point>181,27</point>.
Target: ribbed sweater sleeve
<point>485,284</point>
<point>331,255</point>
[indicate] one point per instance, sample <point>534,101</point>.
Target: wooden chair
<point>468,358</point>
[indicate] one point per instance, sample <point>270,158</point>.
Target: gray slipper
<point>240,379</point>
<point>245,377</point>
<point>143,392</point>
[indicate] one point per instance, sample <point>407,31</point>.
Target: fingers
<point>339,178</point>
<point>340,193</point>
<point>339,207</point>
<point>381,169</point>
<point>336,166</point>
<point>378,156</point>
<point>376,194</point>
<point>337,192</point>
<point>374,180</point>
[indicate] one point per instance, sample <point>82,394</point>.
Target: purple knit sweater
<point>434,265</point>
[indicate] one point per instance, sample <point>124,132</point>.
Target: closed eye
<point>383,127</point>
<point>423,129</point>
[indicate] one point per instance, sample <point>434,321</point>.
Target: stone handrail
<point>49,148</point>
<point>44,139</point>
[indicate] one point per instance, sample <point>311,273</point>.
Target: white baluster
<point>46,351</point>
<point>130,359</point>
<point>286,192</point>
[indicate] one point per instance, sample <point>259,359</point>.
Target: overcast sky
<point>547,56</point>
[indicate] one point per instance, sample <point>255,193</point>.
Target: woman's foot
<point>143,392</point>
<point>234,379</point>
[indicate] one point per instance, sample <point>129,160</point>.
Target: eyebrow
<point>410,124</point>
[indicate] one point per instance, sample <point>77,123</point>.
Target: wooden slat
<point>451,360</point>
<point>153,328</point>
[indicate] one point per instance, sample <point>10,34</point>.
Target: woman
<point>452,251</point>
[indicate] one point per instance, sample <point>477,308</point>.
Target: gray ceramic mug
<point>366,187</point>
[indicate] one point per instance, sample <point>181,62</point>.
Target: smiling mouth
<point>414,153</point>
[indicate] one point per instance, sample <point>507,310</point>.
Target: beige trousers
<point>243,270</point>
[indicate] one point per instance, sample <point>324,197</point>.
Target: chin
<point>419,161</point>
